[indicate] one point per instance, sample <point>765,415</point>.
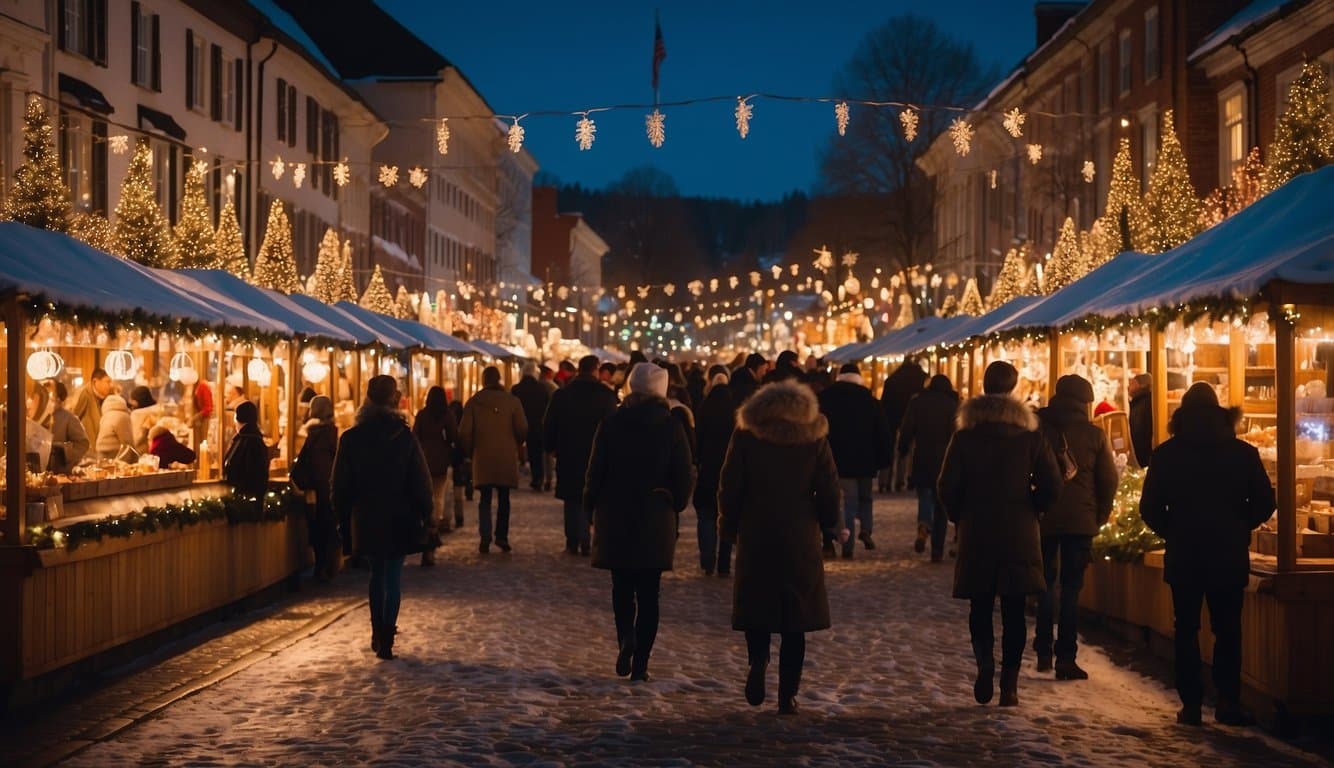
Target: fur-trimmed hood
<point>996,409</point>
<point>784,412</point>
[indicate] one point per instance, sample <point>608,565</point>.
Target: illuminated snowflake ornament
<point>584,130</point>
<point>1034,153</point>
<point>341,173</point>
<point>755,279</point>
<point>908,118</point>
<point>278,167</point>
<point>744,111</point>
<point>777,270</point>
<point>713,285</point>
<point>1088,171</point>
<point>850,259</point>
<point>299,174</point>
<point>417,177</point>
<point>1014,122</point>
<point>733,281</point>
<point>669,289</point>
<point>696,287</point>
<point>643,291</point>
<point>657,132</point>
<point>119,144</point>
<point>442,136</point>
<point>515,137</point>
<point>824,259</point>
<point>388,175</point>
<point>961,133</point>
<point>841,117</point>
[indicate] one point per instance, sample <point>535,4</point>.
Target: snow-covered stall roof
<point>1251,15</point>
<point>433,339</point>
<point>494,350</point>
<point>901,340</point>
<point>271,304</point>
<point>847,353</point>
<point>363,335</point>
<point>986,324</point>
<point>388,334</point>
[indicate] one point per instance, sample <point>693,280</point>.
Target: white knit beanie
<point>648,379</point>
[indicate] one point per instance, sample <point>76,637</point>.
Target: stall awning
<point>162,122</point>
<point>901,341</point>
<point>388,334</point>
<point>271,304</point>
<point>847,353</point>
<point>433,339</point>
<point>362,334</point>
<point>989,323</point>
<point>494,351</point>
<point>87,96</point>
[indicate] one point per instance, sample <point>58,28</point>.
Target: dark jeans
<point>931,514</point>
<point>1225,621</point>
<point>1064,559</point>
<point>713,551</point>
<point>502,513</point>
<point>1013,629</point>
<point>386,592</point>
<point>791,657</point>
<point>576,525</point>
<point>536,459</point>
<point>857,505</point>
<point>634,601</point>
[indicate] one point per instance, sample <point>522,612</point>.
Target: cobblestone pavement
<point>507,660</point>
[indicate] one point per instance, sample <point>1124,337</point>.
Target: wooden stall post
<point>16,461</point>
<point>294,348</point>
<point>1284,376</point>
<point>1158,370</point>
<point>1236,368</point>
<point>1054,361</point>
<point>356,378</point>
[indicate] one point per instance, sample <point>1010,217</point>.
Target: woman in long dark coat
<point>438,433</point>
<point>246,467</point>
<point>313,471</point>
<point>714,426</point>
<point>778,494</point>
<point>638,482</point>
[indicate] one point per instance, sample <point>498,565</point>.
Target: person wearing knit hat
<point>246,466</point>
<point>492,430</point>
<point>1205,492</point>
<point>649,379</point>
<point>998,478</point>
<point>312,472</point>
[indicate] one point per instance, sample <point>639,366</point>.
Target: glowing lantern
<point>44,364</point>
<point>120,365</point>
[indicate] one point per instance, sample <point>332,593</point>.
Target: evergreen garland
<point>1304,138</point>
<point>142,233</point>
<point>39,197</point>
<point>1125,537</point>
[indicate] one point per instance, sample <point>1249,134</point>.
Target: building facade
<point>568,252</point>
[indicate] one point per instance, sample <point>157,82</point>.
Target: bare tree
<point>648,230</point>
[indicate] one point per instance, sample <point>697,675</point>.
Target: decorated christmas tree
<point>1172,208</point>
<point>275,265</point>
<point>1012,280</point>
<point>194,229</point>
<point>1068,261</point>
<point>142,233</point>
<point>347,281</point>
<point>229,247</point>
<point>1124,220</point>
<point>1247,187</point>
<point>377,298</point>
<point>39,197</point>
<point>403,303</point>
<point>905,317</point>
<point>949,307</point>
<point>1304,139</point>
<point>970,303</point>
<point>328,264</point>
<point>93,229</point>
<point>1094,245</point>
<point>1125,536</point>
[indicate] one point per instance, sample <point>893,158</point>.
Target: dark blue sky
<point>527,55</point>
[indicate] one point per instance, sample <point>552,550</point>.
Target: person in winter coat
<point>1204,493</point>
<point>69,441</point>
<point>88,402</point>
<point>313,472</point>
<point>638,483</point>
<point>715,423</point>
<point>786,367</point>
<point>900,388</point>
<point>116,430</point>
<point>746,379</point>
<point>246,467</point>
<point>862,443</point>
<point>678,399</point>
<point>164,445</point>
<point>382,487</point>
<point>462,466</point>
<point>1069,526</point>
<point>492,430</point>
<point>1141,417</point>
<point>571,421</point>
<point>928,425</point>
<point>998,477</point>
<point>535,397</point>
<point>437,432</point>
<point>144,414</point>
<point>777,494</point>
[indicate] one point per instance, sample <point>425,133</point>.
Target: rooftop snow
<point>1251,15</point>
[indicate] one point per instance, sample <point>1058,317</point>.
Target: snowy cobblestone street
<point>506,659</point>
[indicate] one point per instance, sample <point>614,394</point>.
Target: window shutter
<point>236,95</point>
<point>312,126</point>
<point>215,102</point>
<point>157,53</point>
<point>97,30</point>
<point>281,113</point>
<point>291,116</point>
<point>99,168</point>
<point>60,23</point>
<point>189,68</point>
<point>135,74</point>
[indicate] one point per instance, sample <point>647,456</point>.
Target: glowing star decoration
<point>961,133</point>
<point>668,289</point>
<point>908,119</point>
<point>515,136</point>
<point>278,167</point>
<point>841,117</point>
<point>417,177</point>
<point>657,131</point>
<point>743,113</point>
<point>1088,171</point>
<point>991,177</point>
<point>733,281</point>
<point>119,144</point>
<point>584,130</point>
<point>777,270</point>
<point>342,175</point>
<point>755,279</point>
<point>1014,122</point>
<point>388,175</point>
<point>850,259</point>
<point>1034,153</point>
<point>696,287</point>
<point>442,136</point>
<point>643,291</point>
<point>299,174</point>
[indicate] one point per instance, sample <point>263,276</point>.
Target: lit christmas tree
<point>194,230</point>
<point>403,303</point>
<point>1172,208</point>
<point>444,318</point>
<point>1124,536</point>
<point>905,317</point>
<point>1247,187</point>
<point>970,303</point>
<point>425,312</point>
<point>347,281</point>
<point>328,263</point>
<point>1124,219</point>
<point>1304,139</point>
<point>1096,246</point>
<point>142,233</point>
<point>949,307</point>
<point>1011,282</point>
<point>229,247</point>
<point>275,265</point>
<point>39,197</point>
<point>377,298</point>
<point>93,229</point>
<point>1068,261</point>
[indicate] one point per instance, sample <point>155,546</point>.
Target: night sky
<point>527,55</point>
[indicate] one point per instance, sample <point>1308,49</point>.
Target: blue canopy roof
<point>433,339</point>
<point>987,324</point>
<point>847,353</point>
<point>271,304</point>
<point>493,350</point>
<point>904,340</point>
<point>388,334</point>
<point>362,335</point>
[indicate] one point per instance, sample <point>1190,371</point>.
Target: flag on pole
<point>659,50</point>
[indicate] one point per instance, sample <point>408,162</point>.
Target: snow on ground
<point>507,660</point>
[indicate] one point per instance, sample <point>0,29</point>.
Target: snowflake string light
<point>777,270</point>
<point>584,131</point>
<point>743,113</point>
<point>908,118</point>
<point>1014,122</point>
<point>342,175</point>
<point>824,259</point>
<point>733,281</point>
<point>713,285</point>
<point>795,269</point>
<point>278,167</point>
<point>417,177</point>
<point>657,132</point>
<point>755,279</point>
<point>850,259</point>
<point>991,176</point>
<point>515,137</point>
<point>442,136</point>
<point>1034,153</point>
<point>200,166</point>
<point>841,117</point>
<point>696,287</point>
<point>643,291</point>
<point>388,175</point>
<point>1088,171</point>
<point>961,133</point>
<point>299,175</point>
<point>119,144</point>
<point>669,289</point>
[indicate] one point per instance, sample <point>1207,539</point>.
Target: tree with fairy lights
<point>1172,209</point>
<point>377,298</point>
<point>1123,220</point>
<point>328,263</point>
<point>1068,262</point>
<point>949,307</point>
<point>347,280</point>
<point>39,197</point>
<point>93,229</point>
<point>1304,139</point>
<point>1012,281</point>
<point>970,303</point>
<point>194,230</point>
<point>403,303</point>
<point>275,265</point>
<point>906,316</point>
<point>228,246</point>
<point>142,232</point>
<point>1124,536</point>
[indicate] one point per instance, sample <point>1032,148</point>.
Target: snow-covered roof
<point>272,304</point>
<point>905,339</point>
<point>433,339</point>
<point>396,251</point>
<point>1252,15</point>
<point>986,324</point>
<point>846,353</point>
<point>390,334</point>
<point>361,333</point>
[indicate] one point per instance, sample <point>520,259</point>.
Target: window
<point>1151,62</point>
<point>312,126</point>
<point>196,72</point>
<point>1124,61</point>
<point>228,95</point>
<point>1148,127</point>
<point>165,184</point>
<point>76,156</point>
<point>143,51</point>
<point>285,113</point>
<point>1231,132</point>
<point>1104,76</point>
<point>83,28</point>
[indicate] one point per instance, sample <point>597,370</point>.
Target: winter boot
<point>919,544</point>
<point>755,684</point>
<point>787,692</point>
<point>386,649</point>
<point>984,685</point>
<point>1009,687</point>
<point>1232,713</point>
<point>375,637</point>
<point>624,657</point>
<point>1068,670</point>
<point>1044,663</point>
<point>866,540</point>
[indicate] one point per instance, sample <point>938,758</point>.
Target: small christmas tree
<point>949,307</point>
<point>142,233</point>
<point>1124,536</point>
<point>1095,246</point>
<point>347,280</point>
<point>403,303</point>
<point>328,263</point>
<point>194,230</point>
<point>93,229</point>
<point>1068,261</point>
<point>229,247</point>
<point>971,301</point>
<point>275,266</point>
<point>1304,139</point>
<point>39,197</point>
<point>1124,219</point>
<point>905,317</point>
<point>377,298</point>
<point>1012,280</point>
<point>1172,208</point>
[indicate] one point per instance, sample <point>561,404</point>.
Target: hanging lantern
<point>189,376</point>
<point>120,365</point>
<point>179,362</point>
<point>44,364</point>
<point>315,371</point>
<point>259,372</point>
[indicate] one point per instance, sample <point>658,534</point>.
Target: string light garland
<point>388,175</point>
<point>442,136</point>
<point>1088,171</point>
<point>235,509</point>
<point>228,245</point>
<point>1304,137</point>
<point>119,144</point>
<point>655,125</point>
<point>299,175</point>
<point>341,174</point>
<point>417,177</point>
<point>515,136</point>
<point>278,168</point>
<point>1034,153</point>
